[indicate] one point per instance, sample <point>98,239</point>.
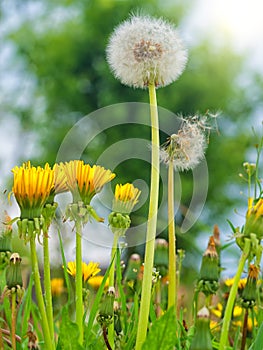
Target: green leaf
<point>162,334</point>
<point>69,333</point>
<point>257,345</point>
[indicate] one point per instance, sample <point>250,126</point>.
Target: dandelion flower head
<point>125,197</point>
<point>186,148</point>
<point>145,50</point>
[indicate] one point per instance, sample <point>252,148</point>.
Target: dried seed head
<point>186,148</point>
<point>145,50</point>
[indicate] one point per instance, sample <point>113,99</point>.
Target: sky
<point>239,21</point>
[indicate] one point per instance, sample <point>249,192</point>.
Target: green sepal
<point>106,312</point>
<point>13,272</point>
<point>119,223</point>
<point>209,269</point>
<point>202,337</point>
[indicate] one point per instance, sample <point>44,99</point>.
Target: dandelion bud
<point>216,235</point>
<point>250,168</point>
<point>209,272</point>
<point>119,222</point>
<point>202,338</point>
<point>145,50</point>
<point>133,268</point>
<point>249,294</point>
<point>106,312</point>
<point>161,259</point>
<point>5,242</point>
<point>13,273</point>
<point>254,219</point>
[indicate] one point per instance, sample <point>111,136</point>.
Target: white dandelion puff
<point>144,50</point>
<point>186,148</point>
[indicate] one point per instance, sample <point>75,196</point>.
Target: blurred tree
<point>62,44</point>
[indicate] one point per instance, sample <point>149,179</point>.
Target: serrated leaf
<point>162,334</point>
<point>69,333</point>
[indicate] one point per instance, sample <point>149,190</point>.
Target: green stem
<point>112,284</point>
<point>232,296</point>
<point>78,281</point>
<point>151,226</point>
<point>113,259</point>
<point>39,295</point>
<point>13,325</point>
<point>47,285</point>
<point>172,292</point>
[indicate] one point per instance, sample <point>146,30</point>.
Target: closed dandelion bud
<point>133,268</point>
<point>249,294</point>
<point>202,337</point>
<point>5,242</point>
<point>48,213</point>
<point>216,235</point>
<point>13,272</point>
<point>209,272</point>
<point>161,259</point>
<point>106,312</point>
<point>119,222</point>
<point>254,219</point>
<point>117,316</point>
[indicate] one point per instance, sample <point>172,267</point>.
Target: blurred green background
<point>54,72</point>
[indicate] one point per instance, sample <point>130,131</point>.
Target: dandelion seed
<point>144,50</point>
<point>186,148</point>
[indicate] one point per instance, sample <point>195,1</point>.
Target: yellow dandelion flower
<point>88,270</point>
<point>57,286</point>
<point>85,181</point>
<point>237,311</point>
<point>241,283</point>
<point>96,281</point>
<point>251,323</point>
<point>217,311</point>
<point>32,187</point>
<point>60,179</point>
<point>214,326</point>
<point>254,218</point>
<point>125,198</point>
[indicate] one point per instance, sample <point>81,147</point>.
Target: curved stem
<point>232,296</point>
<point>78,281</point>
<point>151,226</point>
<point>47,285</point>
<point>172,292</point>
<point>39,295</point>
<point>13,325</point>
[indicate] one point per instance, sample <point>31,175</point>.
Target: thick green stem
<point>151,225</point>
<point>79,292</point>
<point>112,284</point>
<point>172,293</point>
<point>47,286</point>
<point>13,325</point>
<point>39,296</point>
<point>232,296</point>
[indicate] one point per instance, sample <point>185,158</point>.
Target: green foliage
<point>68,334</point>
<point>162,334</point>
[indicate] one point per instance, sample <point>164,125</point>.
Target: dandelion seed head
<point>145,50</point>
<point>186,148</point>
